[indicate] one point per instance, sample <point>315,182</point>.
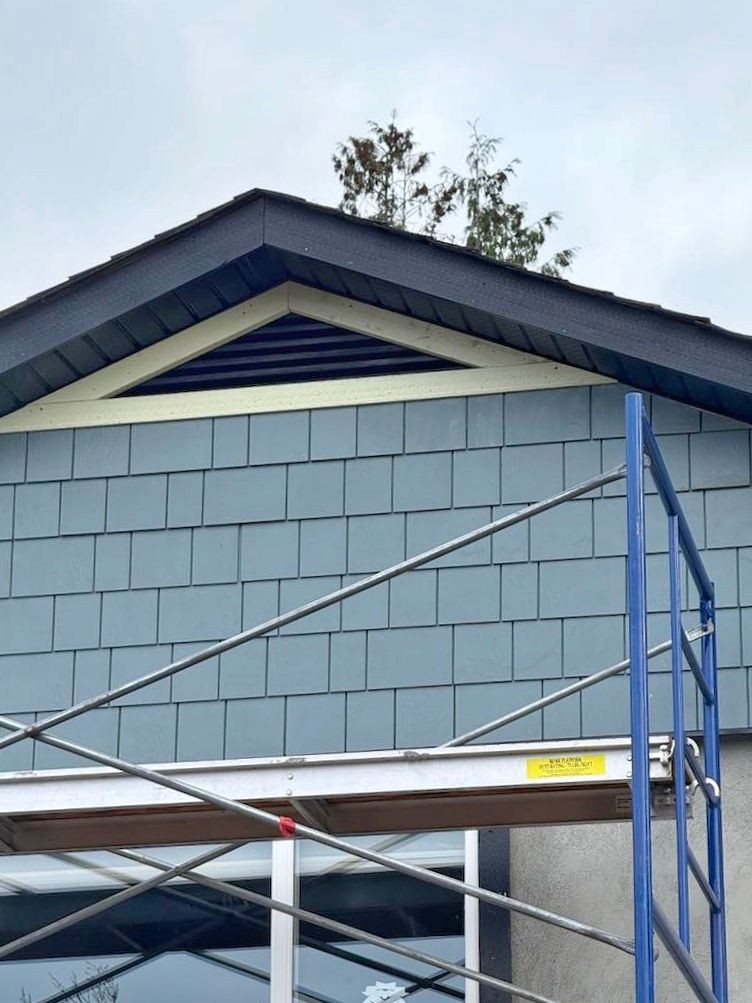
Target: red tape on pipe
<point>286,826</point>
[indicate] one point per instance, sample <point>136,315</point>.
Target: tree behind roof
<point>385,177</point>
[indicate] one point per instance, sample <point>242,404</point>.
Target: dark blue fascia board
<point>129,281</point>
<point>278,237</point>
<point>647,333</point>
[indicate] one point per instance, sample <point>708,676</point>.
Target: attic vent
<point>292,349</point>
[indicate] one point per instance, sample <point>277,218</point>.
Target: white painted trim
<point>93,400</point>
<point>472,915</point>
<point>282,937</point>
<point>295,397</point>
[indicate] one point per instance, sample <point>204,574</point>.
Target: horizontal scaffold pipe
<point>567,691</point>
<point>277,827</point>
<point>32,730</point>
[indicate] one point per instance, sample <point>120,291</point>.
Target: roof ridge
<point>254,194</point>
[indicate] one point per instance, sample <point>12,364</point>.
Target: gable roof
<point>261,239</point>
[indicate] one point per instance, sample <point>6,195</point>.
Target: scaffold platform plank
<point>409,790</point>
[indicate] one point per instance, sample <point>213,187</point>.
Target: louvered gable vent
<point>292,349</point>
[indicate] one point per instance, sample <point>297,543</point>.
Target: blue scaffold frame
<point>642,451</point>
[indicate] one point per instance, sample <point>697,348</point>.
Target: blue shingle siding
<point>55,565</point>
<point>6,512</point>
<point>98,729</point>
<point>323,547</point>
<point>159,447</point>
<point>50,455</point>
<point>422,481</point>
<point>123,549</point>
<point>82,506</point>
<point>199,682</point>
<point>425,716</point>
<point>279,438</point>
<point>333,433</point>
<point>368,485</point>
<point>27,681</point>
<point>201,728</point>
<point>432,425</point>
<point>380,430</point>
<point>367,610</point>
<point>185,499</point>
<point>370,720</point>
<point>36,510</point>
<point>101,452</point>
<point>251,494</point>
<point>136,502</point>
<point>316,489</point>
<point>485,424</point>
<point>230,442</point>
<point>77,621</point>
<point>347,661</point>
<point>315,723</point>
<point>12,458</point>
<point>6,553</point>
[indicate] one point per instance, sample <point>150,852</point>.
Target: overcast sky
<point>120,118</point>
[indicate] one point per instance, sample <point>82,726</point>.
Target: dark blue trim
<point>262,239</point>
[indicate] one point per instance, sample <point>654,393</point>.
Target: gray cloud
<point>121,118</point>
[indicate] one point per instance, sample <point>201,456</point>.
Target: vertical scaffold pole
<point>712,744</point>
<point>642,877</point>
<point>680,741</point>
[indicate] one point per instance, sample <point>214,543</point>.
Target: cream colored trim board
<point>295,396</point>
<point>255,313</point>
<point>491,368</point>
<point>406,331</point>
<point>178,348</point>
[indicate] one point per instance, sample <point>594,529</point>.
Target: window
<point>180,941</point>
<point>385,903</point>
<point>193,942</point>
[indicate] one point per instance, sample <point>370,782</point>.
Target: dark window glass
<point>395,907</point>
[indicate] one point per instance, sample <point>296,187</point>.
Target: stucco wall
<point>126,547</point>
<point>585,872</point>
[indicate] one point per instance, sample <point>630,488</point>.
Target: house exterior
<point>269,403</point>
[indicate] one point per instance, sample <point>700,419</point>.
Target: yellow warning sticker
<point>571,765</point>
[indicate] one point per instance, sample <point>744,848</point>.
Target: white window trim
<point>492,368</point>
<point>472,915</point>
<point>283,927</point>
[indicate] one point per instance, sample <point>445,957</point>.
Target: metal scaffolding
<point>688,766</point>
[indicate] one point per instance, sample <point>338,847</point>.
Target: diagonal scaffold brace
<point>286,827</point>
<point>339,595</point>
